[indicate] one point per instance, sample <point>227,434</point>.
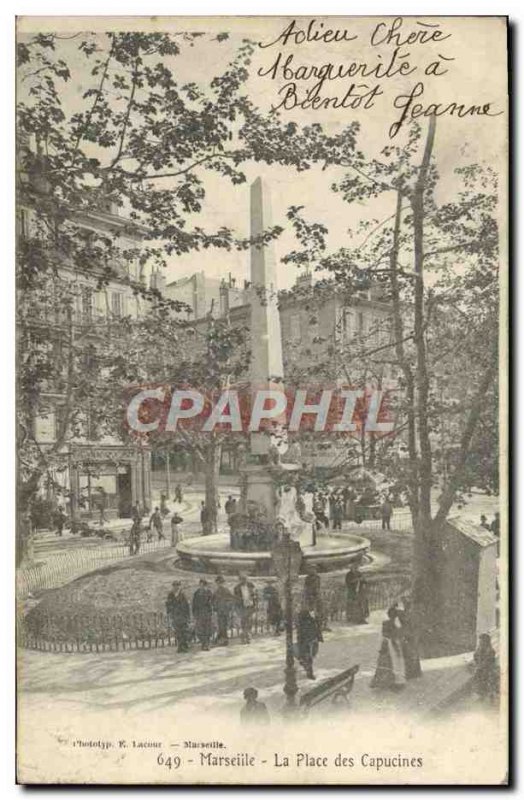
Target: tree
<point>436,262</point>
<point>209,355</point>
<point>136,142</point>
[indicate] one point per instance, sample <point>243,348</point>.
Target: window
<point>45,427</point>
<point>349,324</point>
<point>117,304</point>
<point>87,303</point>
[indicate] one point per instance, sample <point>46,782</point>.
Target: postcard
<point>262,400</point>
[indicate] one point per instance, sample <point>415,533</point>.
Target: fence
<point>88,633</point>
<point>63,567</point>
<point>400,521</point>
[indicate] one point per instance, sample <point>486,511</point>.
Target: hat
<point>250,693</point>
<point>219,579</point>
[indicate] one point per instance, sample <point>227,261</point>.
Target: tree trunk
<point>426,586</point>
<point>212,468</point>
<point>24,540</point>
<point>426,557</point>
<point>24,526</point>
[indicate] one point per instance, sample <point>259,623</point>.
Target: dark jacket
<point>156,520</point>
<point>386,509</point>
<point>177,608</point>
<point>308,629</point>
<point>312,588</point>
<point>222,600</point>
<point>202,605</point>
<point>274,607</point>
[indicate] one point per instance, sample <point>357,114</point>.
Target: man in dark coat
<point>386,511</point>
<point>313,596</point>
<point>60,519</point>
<point>338,513</point>
<point>246,599</point>
<point>223,602</point>
<point>202,608</point>
<point>308,637</point>
<point>230,506</point>
<point>179,616</point>
<point>134,538</point>
<point>486,678</point>
<point>274,607</point>
<point>157,523</point>
<point>357,606</point>
<point>136,513</point>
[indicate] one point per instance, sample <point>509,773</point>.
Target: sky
<point>475,75</point>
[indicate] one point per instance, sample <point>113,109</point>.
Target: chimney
<point>158,280</point>
<point>303,280</point>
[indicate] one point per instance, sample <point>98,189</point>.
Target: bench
<point>338,687</point>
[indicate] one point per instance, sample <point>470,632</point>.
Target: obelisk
<point>266,367</point>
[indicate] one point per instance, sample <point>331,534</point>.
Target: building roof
<point>471,530</point>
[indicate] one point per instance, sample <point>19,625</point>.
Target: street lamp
<point>287,557</point>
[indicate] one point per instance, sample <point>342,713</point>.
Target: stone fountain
<point>270,504</point>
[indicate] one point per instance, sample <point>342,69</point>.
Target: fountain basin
<point>213,554</point>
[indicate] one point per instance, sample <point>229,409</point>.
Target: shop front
<point>107,480</point>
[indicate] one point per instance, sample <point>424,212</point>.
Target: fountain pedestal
<point>268,508</point>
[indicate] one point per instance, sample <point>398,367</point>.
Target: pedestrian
<point>337,514</point>
<point>178,613</point>
<point>223,602</point>
<point>409,640</point>
<point>136,513</point>
<point>245,596</point>
<point>204,518</point>
<point>391,671</point>
<point>308,637</point>
<point>254,711</point>
<point>274,607</point>
<point>157,523</point>
<point>176,520</point>
<point>386,511</point>
<point>134,538</point>
<point>102,503</point>
<point>164,510</point>
<point>486,678</point>
<point>495,525</point>
<point>178,493</point>
<point>319,506</point>
<point>202,608</point>
<point>312,596</point>
<point>484,522</point>
<point>59,520</point>
<point>230,506</point>
<point>357,605</point>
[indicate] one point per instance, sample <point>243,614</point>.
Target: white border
<point>193,8</point>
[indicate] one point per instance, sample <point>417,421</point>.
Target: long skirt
<point>390,671</point>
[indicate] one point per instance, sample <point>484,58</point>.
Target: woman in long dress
<point>391,670</point>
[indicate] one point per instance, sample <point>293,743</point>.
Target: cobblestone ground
<point>146,681</point>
